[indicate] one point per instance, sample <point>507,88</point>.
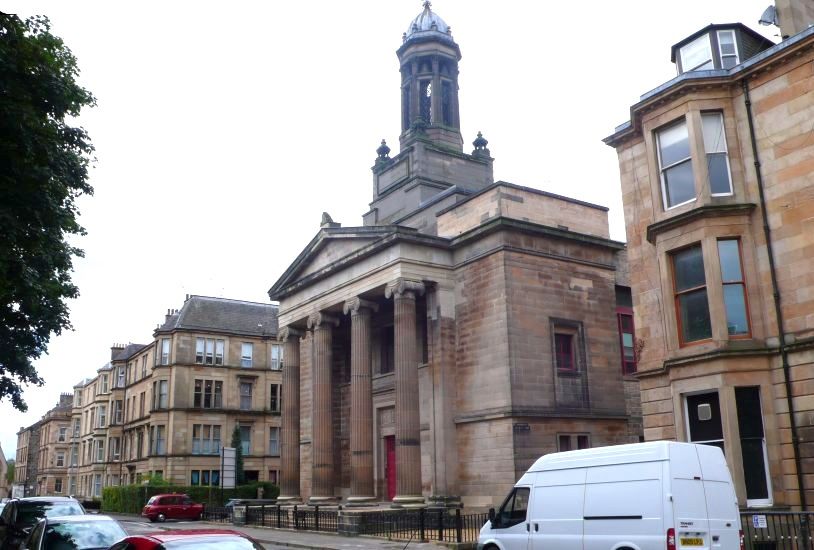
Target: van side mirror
<point>492,516</point>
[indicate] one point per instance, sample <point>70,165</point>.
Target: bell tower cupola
<point>428,58</point>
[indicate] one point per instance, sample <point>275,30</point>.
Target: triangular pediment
<point>329,247</point>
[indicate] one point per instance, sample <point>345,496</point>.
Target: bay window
<point>690,290</point>
<point>720,181</point>
<point>675,163</point>
<point>734,287</point>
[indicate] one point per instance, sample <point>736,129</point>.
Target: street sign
<point>17,491</point>
<point>759,521</point>
<point>227,467</point>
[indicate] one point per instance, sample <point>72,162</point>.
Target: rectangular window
<point>208,394</point>
<point>120,377</point>
<point>161,392</point>
<point>245,396</point>
<point>675,163</point>
<point>274,441</point>
<point>571,442</point>
<point>195,477</point>
<point>104,383</point>
<point>627,337</point>
<point>199,350</point>
<point>97,485</point>
<point>387,345</point>
<point>77,398</point>
<point>753,447</point>
<point>697,55</point>
<point>115,448</point>
<point>63,434</point>
<point>274,475</point>
<point>246,349</point>
<point>102,416</point>
<point>690,287</point>
<point>219,352</point>
<point>735,302</point>
<point>275,401</point>
<point>75,455</point>
<point>141,403</point>
<point>246,439</point>
<point>159,440</point>
<point>276,357</point>
<point>210,352</point>
<point>205,439</point>
<point>117,411</point>
<point>728,49</point>
<point>100,450</point>
<point>165,351</point>
<point>720,181</point>
<point>564,352</point>
<point>206,349</point>
<point>704,419</point>
<point>58,485</point>
<point>144,366</point>
<point>76,427</point>
<point>60,459</point>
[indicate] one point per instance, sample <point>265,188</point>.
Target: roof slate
<point>224,315</point>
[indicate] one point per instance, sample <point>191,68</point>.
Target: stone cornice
<point>702,212</point>
<point>540,412</point>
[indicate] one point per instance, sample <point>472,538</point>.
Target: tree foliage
<point>43,171</point>
<point>240,475</point>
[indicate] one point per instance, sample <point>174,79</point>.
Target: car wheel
<point>161,518</point>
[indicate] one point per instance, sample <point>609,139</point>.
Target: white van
<point>661,495</point>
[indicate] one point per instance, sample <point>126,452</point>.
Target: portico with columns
<point>419,348</point>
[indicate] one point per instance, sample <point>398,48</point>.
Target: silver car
<point>88,532</point>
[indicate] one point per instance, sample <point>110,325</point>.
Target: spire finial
<point>427,5</point>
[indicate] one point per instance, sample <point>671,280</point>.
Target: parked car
<point>649,496</point>
<point>20,516</point>
<point>193,539</point>
<point>75,533</point>
<point>175,506</point>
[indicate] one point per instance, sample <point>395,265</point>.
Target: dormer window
<point>697,55</point>
<point>728,49</point>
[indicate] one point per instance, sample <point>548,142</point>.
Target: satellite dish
<point>769,17</point>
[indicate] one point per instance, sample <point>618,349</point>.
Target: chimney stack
<point>115,349</point>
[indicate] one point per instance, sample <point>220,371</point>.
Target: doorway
<point>390,465</point>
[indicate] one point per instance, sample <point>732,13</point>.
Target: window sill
<point>688,216</point>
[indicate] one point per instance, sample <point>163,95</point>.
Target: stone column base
<point>443,501</point>
<point>355,502</point>
<point>408,501</point>
<point>323,501</point>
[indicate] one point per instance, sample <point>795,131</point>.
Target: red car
<point>194,539</point>
<point>162,507</point>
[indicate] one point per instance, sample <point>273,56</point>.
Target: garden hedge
<point>130,499</point>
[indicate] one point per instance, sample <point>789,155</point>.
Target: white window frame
<point>663,168</point>
<point>737,54</point>
<point>246,360</point>
<point>60,457</point>
<point>62,436</point>
<point>720,115</point>
<point>276,391</point>
<point>249,395</point>
<point>272,430</point>
<point>684,67</point>
<point>102,416</point>
<point>120,379</point>
<point>58,485</point>
<point>100,450</point>
<point>104,384</point>
<point>165,351</point>
<point>276,363</point>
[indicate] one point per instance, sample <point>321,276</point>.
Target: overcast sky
<point>223,131</point>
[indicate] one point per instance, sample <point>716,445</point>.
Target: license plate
<point>692,541</point>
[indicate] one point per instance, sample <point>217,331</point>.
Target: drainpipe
<point>784,356</point>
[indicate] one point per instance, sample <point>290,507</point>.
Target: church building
<point>466,328</point>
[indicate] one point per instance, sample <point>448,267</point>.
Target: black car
<point>21,515</point>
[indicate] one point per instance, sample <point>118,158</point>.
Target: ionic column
<point>361,403</point>
<point>322,455</point>
<point>290,440</point>
<point>408,434</point>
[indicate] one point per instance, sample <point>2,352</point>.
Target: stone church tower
<point>466,328</point>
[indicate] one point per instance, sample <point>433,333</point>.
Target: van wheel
<point>491,547</point>
<point>161,518</point>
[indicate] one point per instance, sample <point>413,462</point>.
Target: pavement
<point>273,539</point>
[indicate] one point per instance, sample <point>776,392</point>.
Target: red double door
<point>390,465</point>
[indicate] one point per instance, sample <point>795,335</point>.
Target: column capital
<point>288,332</point>
<point>353,305</point>
<point>320,319</point>
<point>402,286</point>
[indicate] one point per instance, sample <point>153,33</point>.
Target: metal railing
<point>444,525</point>
<point>219,514</point>
<point>778,530</point>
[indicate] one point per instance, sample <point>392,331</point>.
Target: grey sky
<point>223,131</point>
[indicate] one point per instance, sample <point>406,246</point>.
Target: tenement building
<point>466,328</point>
<point>716,171</point>
<point>166,408</point>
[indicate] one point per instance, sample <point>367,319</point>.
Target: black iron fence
<point>443,525</point>
<point>778,530</point>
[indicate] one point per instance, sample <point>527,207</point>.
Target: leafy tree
<point>10,471</point>
<point>240,475</point>
<point>155,480</point>
<point>43,171</point>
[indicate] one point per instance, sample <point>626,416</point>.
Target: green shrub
<point>130,499</point>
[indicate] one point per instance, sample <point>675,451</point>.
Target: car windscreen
<point>29,513</point>
<point>82,535</point>
<point>226,542</point>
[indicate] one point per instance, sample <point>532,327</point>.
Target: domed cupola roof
<point>428,25</point>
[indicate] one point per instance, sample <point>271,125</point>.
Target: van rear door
<point>722,505</point>
<point>689,501</point>
<point>555,514</point>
